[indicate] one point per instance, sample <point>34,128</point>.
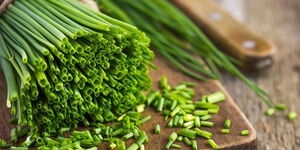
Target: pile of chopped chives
<point>66,64</point>
<point>177,105</point>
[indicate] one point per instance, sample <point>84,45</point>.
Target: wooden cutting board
<point>228,110</point>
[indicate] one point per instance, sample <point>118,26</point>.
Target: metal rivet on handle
<point>215,16</point>
<point>249,44</point>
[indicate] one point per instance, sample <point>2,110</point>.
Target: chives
<point>227,124</point>
<point>187,141</point>
<point>207,123</point>
<point>179,138</point>
<point>194,145</point>
<point>225,131</point>
<point>280,107</point>
<point>292,115</point>
<point>270,111</point>
<point>157,129</point>
<point>212,144</point>
<point>206,117</point>
<point>187,133</point>
<point>188,117</point>
<point>200,112</point>
<point>176,146</point>
<point>245,132</point>
<point>173,136</point>
<point>216,97</point>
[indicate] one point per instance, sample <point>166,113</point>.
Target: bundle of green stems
<point>66,64</point>
<point>178,39</point>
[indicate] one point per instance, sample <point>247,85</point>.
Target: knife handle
<point>231,36</point>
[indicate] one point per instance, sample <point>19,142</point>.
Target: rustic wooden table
<point>278,20</point>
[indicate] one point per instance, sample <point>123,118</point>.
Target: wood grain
<point>229,110</point>
<point>229,34</point>
<point>279,21</point>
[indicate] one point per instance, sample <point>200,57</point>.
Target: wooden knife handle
<point>231,36</point>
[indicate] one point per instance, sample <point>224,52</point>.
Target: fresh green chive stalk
<point>163,22</point>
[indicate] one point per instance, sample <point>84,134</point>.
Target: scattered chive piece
<point>173,136</point>
<point>280,106</point>
<point>145,119</point>
<point>197,122</point>
<point>188,117</point>
<point>175,111</point>
<point>205,105</point>
<point>194,145</point>
<point>176,146</point>
<point>133,146</point>
<point>142,147</point>
<point>207,123</point>
<point>157,129</point>
<point>216,97</point>
<point>200,112</point>
<point>292,115</point>
<point>187,133</point>
<point>203,133</point>
<point>227,124</point>
<point>212,144</point>
<point>179,139</point>
<point>213,111</point>
<point>225,131</point>
<point>187,124</point>
<point>270,111</point>
<point>140,108</point>
<point>112,145</point>
<point>161,104</point>
<point>187,141</point>
<point>206,117</point>
<point>170,124</point>
<point>245,132</point>
<point>188,106</point>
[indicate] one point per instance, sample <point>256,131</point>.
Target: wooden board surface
<point>279,21</point>
<point>233,37</point>
<point>229,110</point>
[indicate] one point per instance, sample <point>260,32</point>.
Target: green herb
<point>225,131</point>
<point>194,145</point>
<point>292,115</point>
<point>157,129</point>
<point>227,124</point>
<point>245,132</point>
<point>187,133</point>
<point>212,144</point>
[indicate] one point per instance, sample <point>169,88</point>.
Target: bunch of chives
<point>66,64</point>
<point>177,38</point>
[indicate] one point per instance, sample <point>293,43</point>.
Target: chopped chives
<point>245,132</point>
<point>280,106</point>
<point>194,145</point>
<point>212,144</point>
<point>188,117</point>
<point>187,133</point>
<point>216,97</point>
<point>187,141</point>
<point>157,129</point>
<point>207,123</point>
<point>292,115</point>
<point>179,138</point>
<point>227,124</point>
<point>173,136</point>
<point>225,131</point>
<point>206,117</point>
<point>197,122</point>
<point>176,146</point>
<point>200,112</point>
<point>270,111</point>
